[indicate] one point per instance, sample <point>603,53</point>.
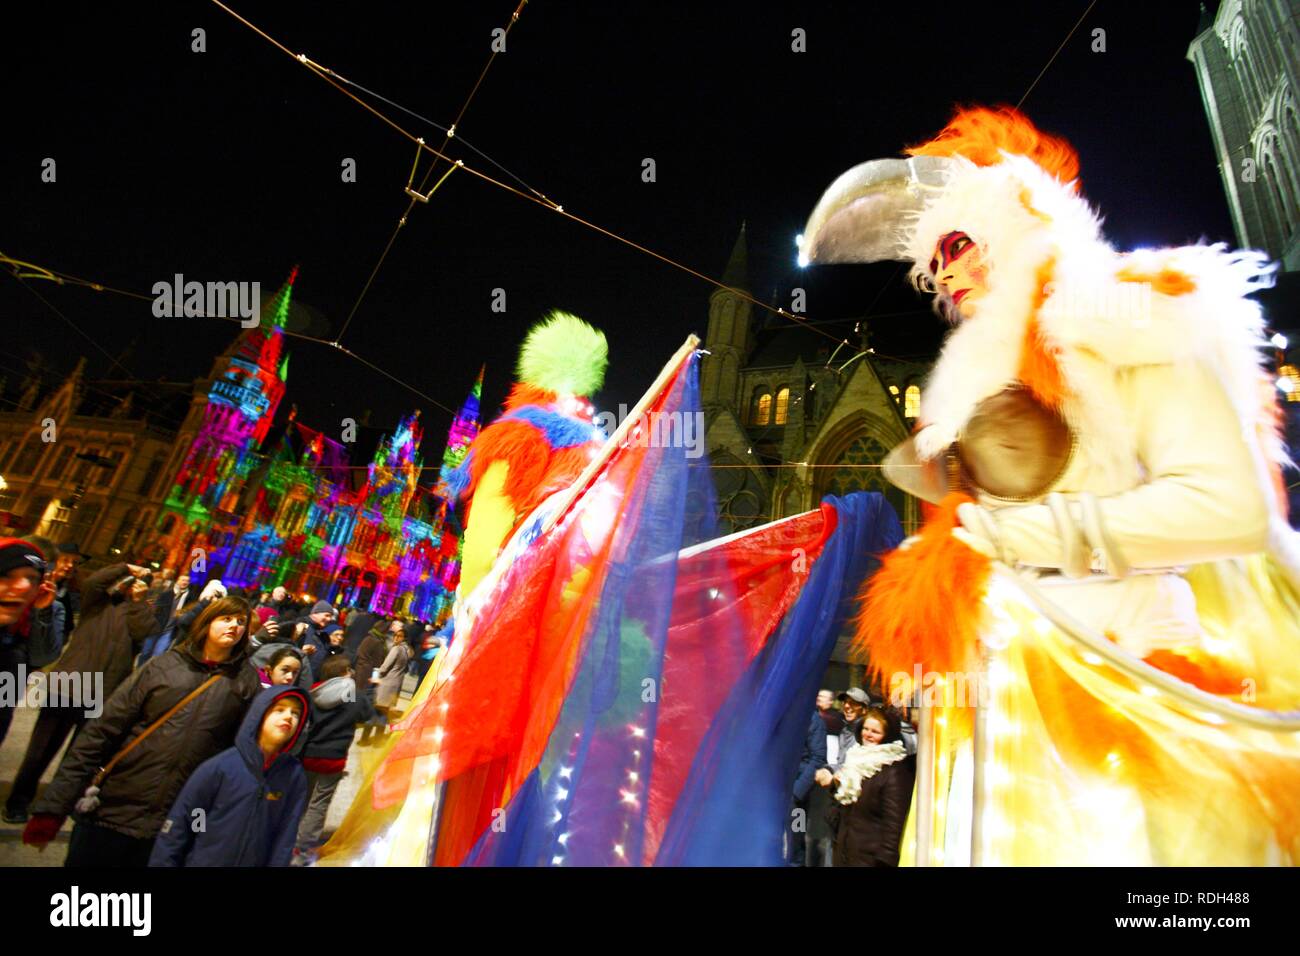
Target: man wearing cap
<point>22,569</point>
<point>853,703</point>
<point>311,637</point>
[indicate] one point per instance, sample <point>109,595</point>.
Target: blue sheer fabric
<point>735,810</point>
<point>675,744</point>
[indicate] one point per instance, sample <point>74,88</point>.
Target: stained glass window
<point>782,406</point>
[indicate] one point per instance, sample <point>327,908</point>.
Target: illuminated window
<point>762,409</point>
<point>893,390</point>
<point>782,406</point>
<point>1288,379</point>
<point>912,402</point>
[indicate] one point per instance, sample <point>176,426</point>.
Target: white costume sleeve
<point>1201,500</point>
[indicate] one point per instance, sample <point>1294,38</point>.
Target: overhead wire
<point>321,71</point>
<point>335,80</point>
<point>64,278</point>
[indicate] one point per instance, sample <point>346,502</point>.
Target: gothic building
<point>1247,59</point>
<point>236,491</point>
<point>789,418</point>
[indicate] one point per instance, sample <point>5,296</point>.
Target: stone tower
<point>729,336</point>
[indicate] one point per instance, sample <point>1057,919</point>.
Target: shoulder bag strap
<point>99,777</point>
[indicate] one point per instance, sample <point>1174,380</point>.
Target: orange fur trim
<point>1040,371</point>
<point>522,446</point>
<point>1167,281</point>
<point>536,470</point>
<point>925,604</point>
<point>523,394</point>
<point>982,135</point>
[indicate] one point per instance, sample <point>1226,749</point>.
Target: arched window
<point>761,410</point>
<point>1243,61</point>
<point>893,390</point>
<point>912,401</point>
<point>1280,196</point>
<point>782,405</point>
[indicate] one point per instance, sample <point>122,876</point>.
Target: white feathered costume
<point>1165,532</point>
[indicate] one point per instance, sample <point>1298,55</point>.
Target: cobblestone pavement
<point>14,853</point>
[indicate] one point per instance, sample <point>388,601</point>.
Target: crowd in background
<point>853,789</point>
<point>227,714</point>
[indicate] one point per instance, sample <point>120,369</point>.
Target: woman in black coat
<point>135,798</point>
<point>873,790</point>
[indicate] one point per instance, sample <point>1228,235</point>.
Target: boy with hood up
<point>242,807</point>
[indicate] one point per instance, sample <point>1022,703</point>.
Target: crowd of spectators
<point>204,725</point>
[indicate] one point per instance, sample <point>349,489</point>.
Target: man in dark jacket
<point>820,840</point>
<point>251,795</point>
<point>370,655</point>
<point>174,600</point>
<point>355,631</point>
<point>68,592</point>
<point>135,798</point>
<point>311,636</point>
<point>115,620</point>
<point>339,708</point>
<point>813,759</point>
<point>22,571</point>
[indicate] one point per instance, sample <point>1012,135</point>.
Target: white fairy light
<point>618,848</point>
<point>1279,341</point>
<point>638,732</point>
<point>566,772</point>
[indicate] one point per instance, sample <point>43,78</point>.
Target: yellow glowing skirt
<point>1074,761</point>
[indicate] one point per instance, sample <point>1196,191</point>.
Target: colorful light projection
<point>295,513</point>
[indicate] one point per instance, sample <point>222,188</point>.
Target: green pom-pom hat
<point>563,354</point>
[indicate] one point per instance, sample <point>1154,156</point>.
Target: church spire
<point>737,274</point>
<point>277,307</point>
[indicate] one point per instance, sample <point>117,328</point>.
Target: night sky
<point>225,165</point>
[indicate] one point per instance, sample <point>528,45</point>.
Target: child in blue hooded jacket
<point>242,807</point>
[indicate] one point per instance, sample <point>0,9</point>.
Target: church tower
<point>230,416</point>
<point>728,337</point>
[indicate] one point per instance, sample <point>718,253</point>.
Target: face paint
<point>959,271</point>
